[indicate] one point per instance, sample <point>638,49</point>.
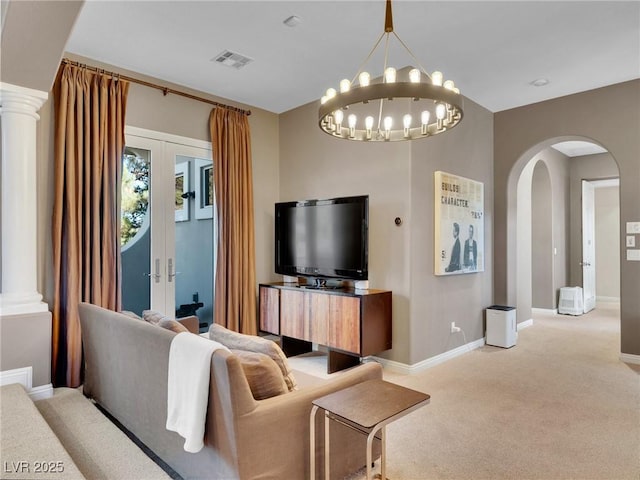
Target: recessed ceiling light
<point>292,21</point>
<point>540,82</point>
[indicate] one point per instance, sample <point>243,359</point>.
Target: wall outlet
<point>454,329</point>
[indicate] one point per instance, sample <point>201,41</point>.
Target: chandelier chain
<point>412,56</point>
<point>362,65</point>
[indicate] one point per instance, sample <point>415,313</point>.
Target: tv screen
<point>323,238</point>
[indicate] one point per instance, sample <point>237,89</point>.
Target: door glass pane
<point>194,240</point>
<point>135,234</point>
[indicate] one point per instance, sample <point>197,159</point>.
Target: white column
<point>18,114</point>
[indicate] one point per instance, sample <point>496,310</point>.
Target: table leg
<point>327,472</point>
<point>383,460</point>
<point>383,456</point>
<point>312,443</point>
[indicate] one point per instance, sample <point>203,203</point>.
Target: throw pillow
<point>172,325</point>
<point>252,343</point>
<point>153,317</point>
<point>262,373</point>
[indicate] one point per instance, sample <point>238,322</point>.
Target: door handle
<point>585,264</point>
<point>156,275</point>
<point>170,273</point>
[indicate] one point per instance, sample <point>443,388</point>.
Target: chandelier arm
<point>362,65</point>
<point>412,56</point>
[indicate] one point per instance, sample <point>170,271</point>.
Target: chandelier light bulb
<point>352,119</point>
<point>449,85</point>
<point>436,78</point>
<point>456,90</point>
<point>368,124</point>
<point>338,116</point>
<point>424,121</point>
<point>414,75</point>
<point>390,75</point>
<point>406,121</point>
<point>345,85</point>
<point>388,123</point>
<point>441,112</point>
<point>331,92</point>
<point>364,78</point>
<point>324,99</point>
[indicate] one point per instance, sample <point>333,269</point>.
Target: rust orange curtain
<point>235,285</point>
<point>89,142</point>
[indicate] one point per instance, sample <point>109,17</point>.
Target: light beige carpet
<point>559,405</point>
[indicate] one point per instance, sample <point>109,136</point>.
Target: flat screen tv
<point>323,238</point>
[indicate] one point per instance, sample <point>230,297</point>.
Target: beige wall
<point>150,109</point>
<point>523,302</point>
<point>398,178</point>
<point>26,342</point>
<point>541,239</point>
<point>608,116</point>
<point>607,239</point>
<point>558,166</point>
<point>467,151</point>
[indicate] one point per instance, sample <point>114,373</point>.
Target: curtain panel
<point>88,146</point>
<point>235,278</point>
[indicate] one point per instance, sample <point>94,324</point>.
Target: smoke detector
<point>232,59</point>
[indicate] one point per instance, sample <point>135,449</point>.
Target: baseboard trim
<point>630,358</point>
<point>23,376</point>
<point>608,299</point>
<point>403,368</point>
<point>525,324</point>
<point>545,311</point>
<point>41,392</point>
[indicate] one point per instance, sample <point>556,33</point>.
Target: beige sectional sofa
<point>126,366</point>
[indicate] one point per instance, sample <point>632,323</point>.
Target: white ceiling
<point>493,50</point>
<point>577,148</point>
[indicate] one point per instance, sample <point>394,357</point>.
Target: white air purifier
<point>502,330</point>
<point>571,301</point>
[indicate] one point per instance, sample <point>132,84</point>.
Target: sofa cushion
<point>252,343</point>
<point>130,314</point>
<point>172,325</point>
<point>263,374</point>
<point>153,317</point>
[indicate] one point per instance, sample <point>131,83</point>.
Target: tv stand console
<point>351,323</point>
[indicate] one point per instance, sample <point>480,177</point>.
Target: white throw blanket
<point>188,387</point>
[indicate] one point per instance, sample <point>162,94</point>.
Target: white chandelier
<point>366,111</point>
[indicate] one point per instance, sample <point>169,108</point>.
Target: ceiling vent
<point>231,59</point>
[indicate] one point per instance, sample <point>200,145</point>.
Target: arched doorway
<point>544,189</point>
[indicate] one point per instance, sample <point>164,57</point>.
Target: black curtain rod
<point>165,90</point>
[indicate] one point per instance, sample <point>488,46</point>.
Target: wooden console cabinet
<point>355,323</point>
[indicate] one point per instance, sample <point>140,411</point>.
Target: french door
<point>167,225</point>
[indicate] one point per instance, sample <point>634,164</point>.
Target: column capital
<point>16,99</point>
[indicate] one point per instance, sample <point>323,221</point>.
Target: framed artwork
<point>182,186</point>
<point>459,225</point>
<point>204,189</point>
